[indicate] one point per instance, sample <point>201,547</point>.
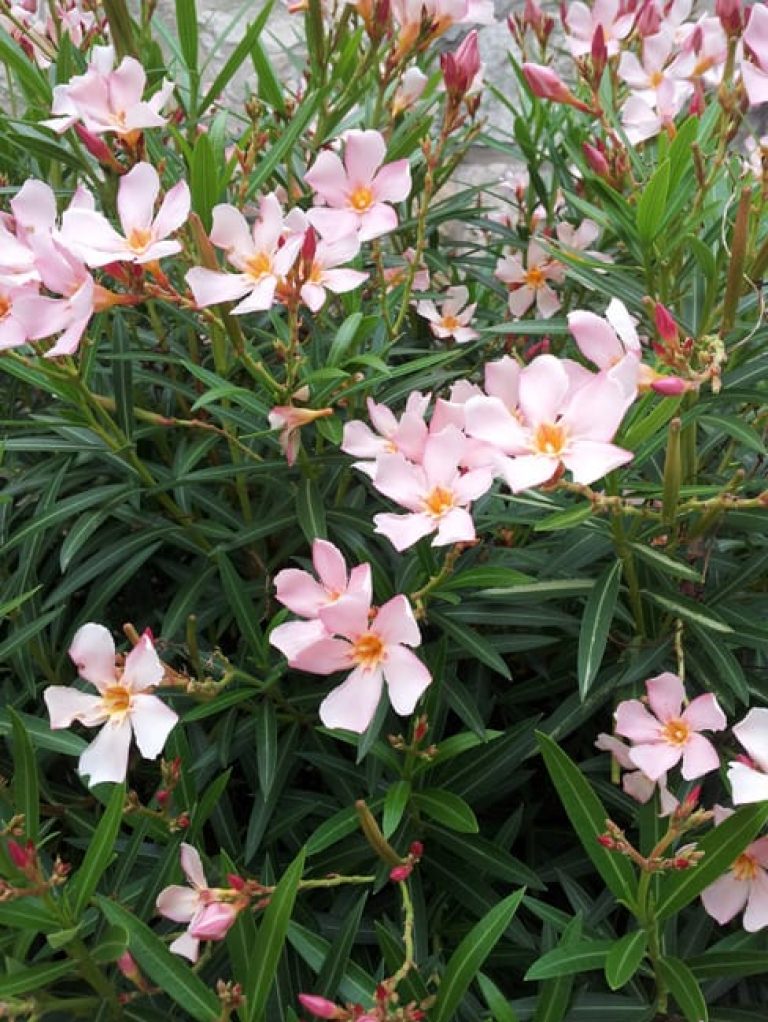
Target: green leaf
<point>595,624</point>
<point>266,746</point>
<point>587,815</point>
<point>166,970</point>
<point>664,563</point>
<point>111,944</point>
<point>468,958</point>
<point>571,958</point>
<point>715,964</point>
<point>624,959</point>
<point>345,335</point>
<point>34,979</point>
<point>471,641</point>
<point>204,179</point>
<point>310,511</point>
<point>653,201</point>
<point>684,988</point>
<point>737,429</point>
<point>9,606</point>
<point>269,85</point>
<point>42,736</point>
<point>448,809</point>
<point>101,848</point>
<point>721,847</point>
<point>240,605</point>
<point>500,1007</point>
<point>395,802</point>
<point>483,577</point>
<point>555,994</point>
<point>270,940</point>
<point>336,960</point>
<point>26,792</point>
<point>236,58</point>
<point>691,611</point>
<point>300,118</point>
<point>186,26</point>
<point>564,519</point>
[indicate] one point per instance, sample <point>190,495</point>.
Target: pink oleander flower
<point>528,283</point>
<point>657,78</point>
<point>199,905</point>
<point>668,734</point>
<point>304,595</point>
<point>324,273</point>
<point>358,191</point>
<point>107,100</point>
<point>583,21</point>
<point>437,495</point>
<point>375,646</point>
<point>744,886</point>
<point>123,705</point>
<point>556,425</point>
<point>395,275</point>
<point>406,435</point>
<point>289,420</point>
<point>453,319</point>
<point>90,235</point>
<point>19,311</point>
<point>611,343</point>
<point>263,255</point>
<point>634,782</point>
<point>748,776</point>
<point>754,73</point>
<point>412,85</point>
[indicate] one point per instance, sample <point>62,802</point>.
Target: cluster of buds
<point>460,69</point>
<point>386,1007</point>
<point>399,874</point>
<point>170,771</point>
<point>417,746</point>
<point>25,860</point>
<point>533,19</point>
<point>686,817</point>
<point>231,996</point>
<point>610,162</point>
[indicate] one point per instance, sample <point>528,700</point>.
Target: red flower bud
<point>731,16</point>
<point>605,840</point>
<point>400,873</point>
<point>416,849</point>
<point>596,160</point>
<point>22,857</point>
<point>665,324</point>
<point>648,21</point>
<point>319,1006</point>
<point>236,882</point>
<point>599,53</point>
<point>547,84</point>
<point>460,67</point>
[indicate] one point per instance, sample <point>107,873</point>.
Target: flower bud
<point>596,160</point>
<point>547,84</point>
<point>460,67</point>
<point>670,386</point>
<point>648,21</point>
<point>96,146</point>
<point>599,53</point>
<point>319,1006</point>
<point>400,873</point>
<point>665,324</point>
<point>731,16</point>
<point>416,849</point>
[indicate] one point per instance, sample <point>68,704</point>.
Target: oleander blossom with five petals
<point>123,707</point>
<point>669,733</point>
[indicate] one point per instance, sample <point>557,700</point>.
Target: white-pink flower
<point>357,193</point>
<point>108,100</point>
<point>123,706</point>
<point>406,435</point>
<point>670,733</point>
<point>634,782</point>
<point>144,239</point>
<point>436,493</point>
<point>263,255</point>
<point>554,425</point>
<point>200,906</point>
<point>453,317</point>
<point>529,283</point>
<point>376,650</point>
<point>611,343</point>
<point>744,886</point>
<point>748,777</point>
<point>754,73</point>
<point>583,21</point>
<point>324,273</point>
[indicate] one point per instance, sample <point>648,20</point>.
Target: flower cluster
<point>342,631</point>
<point>665,733</point>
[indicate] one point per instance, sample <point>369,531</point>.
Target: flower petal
<point>363,155</point>
<point>747,785</point>
<point>178,903</point>
<point>666,695</point>
<point>403,530</point>
<point>699,757</point>
<point>106,758</point>
<point>352,705</point>
<point>396,624</point>
<point>347,616</point>
<point>294,636</point>
<point>725,898</point>
<point>330,565</point>
<point>756,916</point>
<point>752,733</point>
<point>655,759</point>
<point>328,178</point>
<point>704,714</point>
<point>326,656</point>
<point>68,704</point>
<point>136,196</point>
<point>186,945</point>
<point>93,652</point>
<point>407,678</point>
<point>174,210</point>
<point>635,722</point>
<point>192,865</point>
<point>143,668</point>
<point>152,722</point>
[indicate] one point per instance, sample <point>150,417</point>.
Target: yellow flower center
<point>676,732</point>
<point>549,439</point>
<point>449,323</point>
<point>438,502</point>
<point>139,238</point>
<point>259,266</point>
<point>361,199</point>
<point>116,700</point>
<point>5,307</point>
<point>315,274</point>
<point>368,650</point>
<point>655,79</point>
<point>534,277</point>
<point>745,867</point>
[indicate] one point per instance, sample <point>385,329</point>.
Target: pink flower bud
<point>533,16</point>
<point>596,160</point>
<point>214,921</point>
<point>95,146</point>
<point>547,84</point>
<point>670,386</point>
<point>127,965</point>
<point>599,52</point>
<point>648,21</point>
<point>460,67</point>
<point>698,104</point>
<point>319,1006</point>
<point>400,873</point>
<point>731,16</point>
<point>416,849</point>
<point>22,856</point>
<point>665,324</point>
